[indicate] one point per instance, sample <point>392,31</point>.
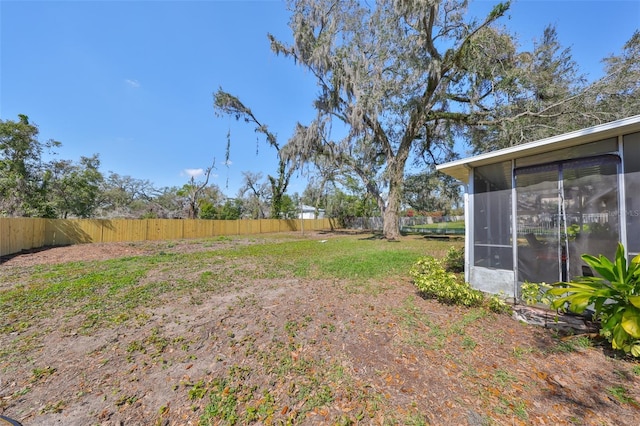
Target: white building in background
<point>309,212</point>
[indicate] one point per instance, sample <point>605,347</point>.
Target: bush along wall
<point>435,279</point>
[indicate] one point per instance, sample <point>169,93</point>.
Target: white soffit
<point>459,169</point>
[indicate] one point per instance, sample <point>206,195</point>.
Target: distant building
<point>309,212</point>
<point>532,210</point>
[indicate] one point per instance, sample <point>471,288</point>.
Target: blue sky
<point>133,80</point>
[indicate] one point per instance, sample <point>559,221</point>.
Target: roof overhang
<point>459,169</point>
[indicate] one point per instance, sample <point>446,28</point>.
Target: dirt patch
<point>304,351</point>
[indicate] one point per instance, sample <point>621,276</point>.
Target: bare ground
<point>305,352</point>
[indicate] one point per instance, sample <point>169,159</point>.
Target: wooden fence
<point>17,234</point>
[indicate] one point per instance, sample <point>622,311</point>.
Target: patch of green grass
<point>53,407</point>
<point>503,377</point>
<point>622,395</point>
<point>572,344</point>
<point>468,343</point>
<point>414,321</point>
<point>263,408</point>
<point>198,391</point>
<point>519,352</point>
<point>342,258</point>
<point>469,318</point>
<point>517,408</point>
<point>583,342</point>
<point>441,225</point>
<point>86,288</point>
<point>223,403</point>
<point>416,420</point>
<point>126,400</point>
<point>41,373</point>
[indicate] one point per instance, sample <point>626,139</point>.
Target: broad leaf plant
<point>615,296</point>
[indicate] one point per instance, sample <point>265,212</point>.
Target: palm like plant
<point>615,296</point>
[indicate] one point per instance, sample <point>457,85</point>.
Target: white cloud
<point>132,83</point>
<point>228,163</point>
<point>194,172</point>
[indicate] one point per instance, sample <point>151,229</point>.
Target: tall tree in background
<point>258,193</point>
<point>401,76</point>
<point>348,204</point>
<point>21,168</point>
<point>547,96</point>
<point>325,178</point>
<point>226,104</point>
<point>431,191</point>
<point>540,97</point>
<point>126,196</point>
<point>74,188</point>
<point>166,204</point>
<point>230,210</point>
<point>193,191</point>
<point>617,94</point>
<point>210,202</point>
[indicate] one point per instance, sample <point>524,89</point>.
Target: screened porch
<point>534,209</point>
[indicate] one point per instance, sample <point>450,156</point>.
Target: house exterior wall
<point>494,281</point>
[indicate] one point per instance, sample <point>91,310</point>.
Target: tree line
<point>405,82</point>
<point>33,187</point>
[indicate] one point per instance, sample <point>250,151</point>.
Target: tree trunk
<point>391,230</point>
<point>395,169</point>
<point>391,227</point>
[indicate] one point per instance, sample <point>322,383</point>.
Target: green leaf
<point>612,321</point>
<point>589,282</point>
<point>558,303</point>
<point>635,350</point>
<point>601,265</point>
<point>571,288</point>
<point>620,337</point>
<point>609,269</point>
<point>621,263</point>
<point>579,302</point>
<point>635,301</point>
<point>557,291</point>
<point>634,267</point>
<point>598,304</point>
<point>631,322</point>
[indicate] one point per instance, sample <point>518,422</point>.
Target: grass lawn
<point>442,228</point>
<point>441,225</point>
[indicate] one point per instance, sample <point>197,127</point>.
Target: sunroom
<point>533,209</point>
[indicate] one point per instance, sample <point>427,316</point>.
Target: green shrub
<point>432,280</point>
<point>496,303</point>
<point>454,260</point>
<point>615,296</point>
<point>532,293</point>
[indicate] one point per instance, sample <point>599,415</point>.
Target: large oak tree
<point>395,78</point>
